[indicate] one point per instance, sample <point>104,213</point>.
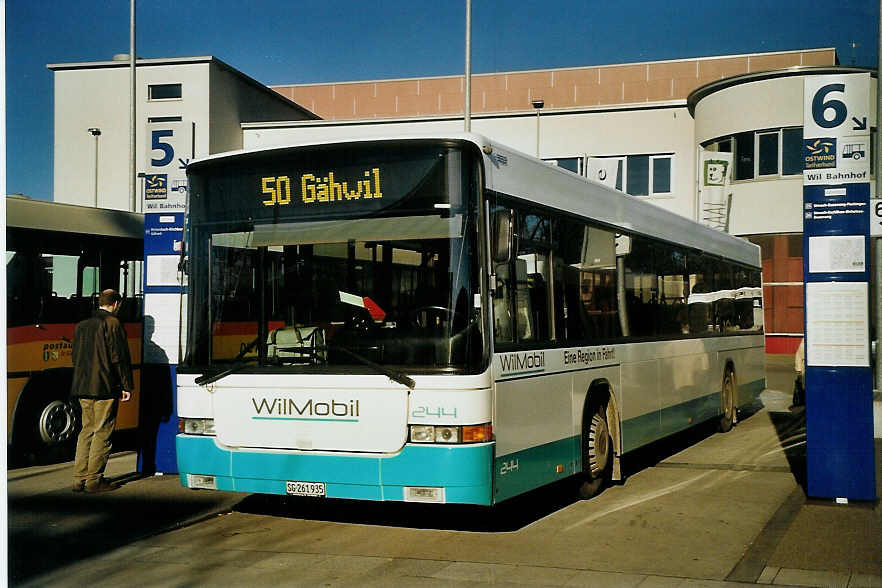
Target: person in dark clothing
<point>102,377</point>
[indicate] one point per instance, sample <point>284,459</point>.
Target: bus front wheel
<point>729,390</point>
<point>597,455</point>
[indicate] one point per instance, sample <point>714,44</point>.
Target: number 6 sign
<point>839,105</point>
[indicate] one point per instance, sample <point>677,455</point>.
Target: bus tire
<point>45,427</point>
<point>729,390</point>
<point>597,453</point>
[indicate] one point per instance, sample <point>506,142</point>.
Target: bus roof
<point>523,176</point>
<point>24,213</point>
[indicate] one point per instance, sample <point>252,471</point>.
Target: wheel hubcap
<point>57,423</point>
<point>598,446</point>
<point>728,396</point>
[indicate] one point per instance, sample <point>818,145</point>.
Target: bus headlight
<point>451,433</point>
<point>190,426</point>
<point>447,435</point>
<point>422,434</point>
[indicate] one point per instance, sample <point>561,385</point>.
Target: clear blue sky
<point>278,42</point>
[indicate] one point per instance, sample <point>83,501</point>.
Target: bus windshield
<point>395,287</point>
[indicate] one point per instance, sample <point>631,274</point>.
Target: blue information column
<point>165,193</point>
<point>836,223</point>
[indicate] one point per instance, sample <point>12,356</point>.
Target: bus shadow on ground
<point>508,516</point>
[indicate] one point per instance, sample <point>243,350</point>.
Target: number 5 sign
<point>169,146</point>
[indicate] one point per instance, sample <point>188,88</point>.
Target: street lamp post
<point>538,104</point>
<point>96,132</point>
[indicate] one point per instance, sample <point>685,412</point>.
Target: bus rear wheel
<point>57,423</point>
<point>46,429</point>
<point>728,392</point>
<point>597,455</point>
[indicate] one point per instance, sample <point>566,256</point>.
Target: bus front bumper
<point>463,471</point>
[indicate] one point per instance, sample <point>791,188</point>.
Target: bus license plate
<point>305,489</point>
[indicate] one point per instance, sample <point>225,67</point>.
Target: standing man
<point>102,376</point>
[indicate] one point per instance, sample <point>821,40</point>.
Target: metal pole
<point>96,169</point>
<point>133,194</point>
<point>538,110</point>
<point>877,286</point>
<point>468,68</point>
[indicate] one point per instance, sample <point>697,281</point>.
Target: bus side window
<point>641,288</point>
<point>701,293</point>
<point>502,319</point>
<point>533,277</point>
<point>501,228</point>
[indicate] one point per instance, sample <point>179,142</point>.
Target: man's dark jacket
<point>102,365</point>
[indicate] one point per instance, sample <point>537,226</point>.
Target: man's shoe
<point>79,487</point>
<point>102,486</point>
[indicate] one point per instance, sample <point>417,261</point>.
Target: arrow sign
<point>859,125</point>
<point>185,162</point>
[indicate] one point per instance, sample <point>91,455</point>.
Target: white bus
<point>443,319</point>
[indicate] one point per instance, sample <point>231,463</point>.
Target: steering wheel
<point>429,311</point>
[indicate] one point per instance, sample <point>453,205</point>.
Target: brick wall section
<point>606,85</point>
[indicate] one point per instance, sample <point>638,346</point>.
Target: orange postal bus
<point>58,258</point>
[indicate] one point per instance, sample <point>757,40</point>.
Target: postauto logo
<point>820,153</point>
<point>288,409</point>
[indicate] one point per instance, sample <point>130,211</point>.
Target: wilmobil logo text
<point>522,363</point>
<point>288,409</point>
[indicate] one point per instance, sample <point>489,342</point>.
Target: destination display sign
<point>315,189</point>
<point>333,183</point>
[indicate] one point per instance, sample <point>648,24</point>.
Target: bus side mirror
<point>501,243</point>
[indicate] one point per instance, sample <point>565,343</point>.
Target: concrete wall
<point>99,97</point>
<point>234,100</point>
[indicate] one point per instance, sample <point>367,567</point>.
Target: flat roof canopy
<point>68,218</point>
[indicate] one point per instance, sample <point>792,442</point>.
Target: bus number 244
<point>509,467</point>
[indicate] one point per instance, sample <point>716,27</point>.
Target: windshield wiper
<point>399,377</point>
<point>206,379</point>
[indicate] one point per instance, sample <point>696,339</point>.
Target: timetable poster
<point>837,329</point>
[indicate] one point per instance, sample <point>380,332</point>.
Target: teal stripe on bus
<point>464,471</point>
<point>521,471</point>
<point>653,426</point>
<point>749,392</point>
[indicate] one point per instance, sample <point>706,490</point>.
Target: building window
<point>744,156</point>
<point>574,164</point>
<point>661,174</point>
<point>763,154</point>
<point>791,151</point>
<point>164,92</point>
<point>767,146</point>
<point>637,175</point>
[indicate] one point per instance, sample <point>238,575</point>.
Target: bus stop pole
<point>877,287</point>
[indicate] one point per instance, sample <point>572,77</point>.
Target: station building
<point>645,128</point>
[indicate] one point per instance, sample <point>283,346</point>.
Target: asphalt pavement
<point>703,510</point>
